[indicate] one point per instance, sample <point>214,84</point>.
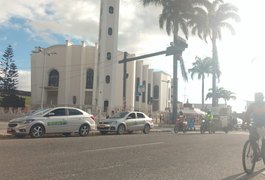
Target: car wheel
<point>84,130</point>
<point>121,129</point>
<point>146,129</point>
<point>37,131</point>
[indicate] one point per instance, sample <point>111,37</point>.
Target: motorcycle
<point>203,127</point>
<point>180,126</point>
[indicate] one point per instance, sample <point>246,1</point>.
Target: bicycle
<point>252,150</point>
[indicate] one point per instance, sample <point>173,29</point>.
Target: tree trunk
<point>215,69</point>
<point>202,93</point>
<point>175,84</point>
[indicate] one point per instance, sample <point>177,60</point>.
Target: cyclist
<point>256,111</point>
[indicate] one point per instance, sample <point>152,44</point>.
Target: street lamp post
<point>45,52</point>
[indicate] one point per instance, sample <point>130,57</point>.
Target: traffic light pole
<point>172,50</point>
<point>124,79</point>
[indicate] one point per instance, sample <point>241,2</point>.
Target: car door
<point>140,121</point>
<point>130,121</point>
<point>74,120</point>
<point>56,121</point>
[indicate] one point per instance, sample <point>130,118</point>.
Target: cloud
<point>44,18</point>
<point>24,80</point>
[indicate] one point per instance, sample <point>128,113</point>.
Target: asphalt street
<point>164,155</point>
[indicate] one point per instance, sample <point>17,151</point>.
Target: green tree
<point>221,93</point>
<point>209,21</point>
<point>227,95</point>
<point>201,67</point>
<point>8,72</point>
<point>174,17</point>
<point>9,80</point>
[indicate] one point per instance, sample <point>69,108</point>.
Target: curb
<point>92,133</point>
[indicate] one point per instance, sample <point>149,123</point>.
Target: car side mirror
<point>129,117</point>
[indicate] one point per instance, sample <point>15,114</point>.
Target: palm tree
<point>201,67</point>
<point>174,17</point>
<point>221,93</point>
<point>227,95</point>
<point>211,18</point>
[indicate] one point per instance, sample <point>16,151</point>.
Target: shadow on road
<point>244,176</point>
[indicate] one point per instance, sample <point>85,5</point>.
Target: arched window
<point>108,55</point>
<point>53,78</point>
<point>89,79</point>
<point>110,31</point>
<point>107,79</point>
<point>156,92</point>
<point>111,10</point>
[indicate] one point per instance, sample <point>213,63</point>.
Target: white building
<point>91,78</point>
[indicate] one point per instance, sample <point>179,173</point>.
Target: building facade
<point>91,78</point>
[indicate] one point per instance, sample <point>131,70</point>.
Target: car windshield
<point>119,115</point>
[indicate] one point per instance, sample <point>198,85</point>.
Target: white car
<point>63,120</point>
<point>126,121</point>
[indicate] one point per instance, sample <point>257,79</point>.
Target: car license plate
<point>102,126</point>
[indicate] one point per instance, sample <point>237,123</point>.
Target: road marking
<point>124,147</point>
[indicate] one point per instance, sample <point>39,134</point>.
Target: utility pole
<point>125,76</point>
<point>181,45</point>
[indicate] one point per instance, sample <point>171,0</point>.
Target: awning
<point>193,111</point>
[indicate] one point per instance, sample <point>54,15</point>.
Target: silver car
<point>63,120</point>
<point>126,121</point>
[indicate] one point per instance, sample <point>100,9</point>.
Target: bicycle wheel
<point>248,157</point>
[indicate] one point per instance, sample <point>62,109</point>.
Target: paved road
<point>156,156</point>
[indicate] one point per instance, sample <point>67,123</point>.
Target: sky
<point>25,24</point>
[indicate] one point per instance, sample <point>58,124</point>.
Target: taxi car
<point>126,121</point>
<point>63,120</point>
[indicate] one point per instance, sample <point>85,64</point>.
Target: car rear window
<point>140,115</point>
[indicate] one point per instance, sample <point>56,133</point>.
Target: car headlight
<point>27,121</point>
<point>113,122</point>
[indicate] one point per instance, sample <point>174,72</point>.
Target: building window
<point>107,79</point>
<point>89,79</point>
<point>54,78</point>
<point>106,105</point>
<point>111,10</point>
<point>110,31</point>
<point>156,92</point>
<point>108,55</point>
<point>149,93</point>
<point>143,93</point>
<point>136,89</point>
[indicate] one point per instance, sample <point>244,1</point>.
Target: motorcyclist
<point>181,123</point>
<point>256,111</point>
